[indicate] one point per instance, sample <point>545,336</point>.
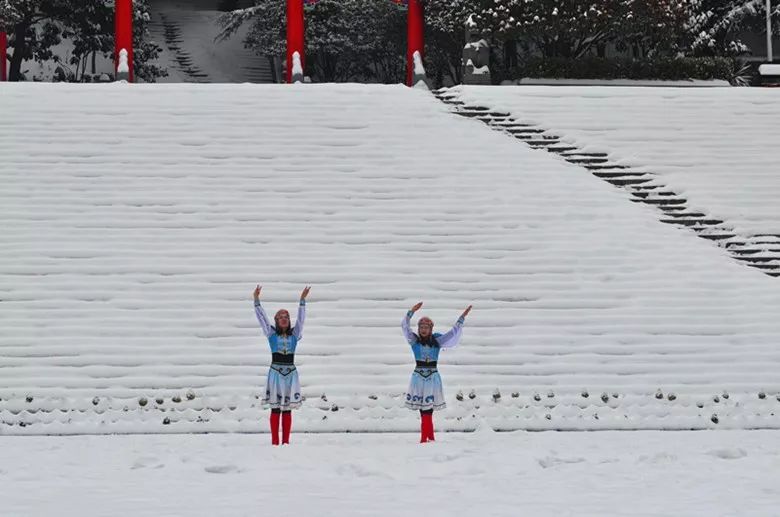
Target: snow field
<point>542,474</point>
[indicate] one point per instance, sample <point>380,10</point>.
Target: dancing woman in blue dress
<point>282,387</point>
<point>425,391</point>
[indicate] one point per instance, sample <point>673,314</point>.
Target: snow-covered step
<point>643,186</point>
<point>502,411</point>
<point>130,249</point>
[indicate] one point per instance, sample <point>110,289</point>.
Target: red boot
<point>286,427</point>
<point>430,436</point>
<point>275,428</point>
<point>426,427</point>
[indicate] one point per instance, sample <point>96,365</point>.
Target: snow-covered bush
<point>592,67</point>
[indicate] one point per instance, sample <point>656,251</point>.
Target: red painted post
<point>295,41</point>
<point>3,56</point>
<point>123,20</point>
<point>415,36</point>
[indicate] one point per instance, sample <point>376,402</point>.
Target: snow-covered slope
<point>718,146</point>
<point>136,220</point>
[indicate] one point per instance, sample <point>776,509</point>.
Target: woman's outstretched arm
<point>452,337</point>
<point>301,318</point>
<point>268,330</point>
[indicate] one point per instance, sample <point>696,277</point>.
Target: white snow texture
<point>137,219</point>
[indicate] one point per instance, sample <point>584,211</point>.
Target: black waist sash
<point>426,364</point>
<point>278,358</point>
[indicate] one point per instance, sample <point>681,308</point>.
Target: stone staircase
<point>761,251</point>
<point>191,54</point>
<point>168,33</point>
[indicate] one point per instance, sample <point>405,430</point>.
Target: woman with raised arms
<point>425,393</point>
<point>282,387</point>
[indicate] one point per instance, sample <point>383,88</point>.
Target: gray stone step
<point>620,174</point>
<point>691,221</point>
<point>585,160</point>
<point>598,167</point>
<point>669,201</point>
<point>628,181</point>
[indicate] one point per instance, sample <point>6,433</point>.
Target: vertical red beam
<point>415,36</point>
<point>295,30</point>
<point>3,56</point>
<point>123,20</point>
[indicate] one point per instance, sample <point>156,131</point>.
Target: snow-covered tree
<point>715,25</point>
<point>574,28</point>
<point>37,26</point>
<point>346,40</point>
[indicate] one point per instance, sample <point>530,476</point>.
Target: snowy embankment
<point>641,474</point>
<point>717,146</point>
<point>136,221</point>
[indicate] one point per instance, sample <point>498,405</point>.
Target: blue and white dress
<point>425,389</point>
<point>282,387</point>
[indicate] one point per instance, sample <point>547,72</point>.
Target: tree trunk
<point>510,53</point>
<point>20,30</point>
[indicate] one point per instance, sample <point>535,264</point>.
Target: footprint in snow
<point>222,469</point>
<point>353,469</point>
<point>445,458</point>
<point>554,461</point>
<point>146,461</point>
<point>728,454</point>
<point>661,457</point>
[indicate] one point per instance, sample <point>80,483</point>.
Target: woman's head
<point>282,321</point>
<point>425,327</point>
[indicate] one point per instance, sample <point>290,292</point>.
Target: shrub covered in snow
<point>664,68</point>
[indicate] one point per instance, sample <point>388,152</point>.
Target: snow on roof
<point>137,219</point>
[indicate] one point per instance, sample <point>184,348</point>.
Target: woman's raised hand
<point>256,294</point>
<point>466,312</point>
<point>416,307</point>
<point>305,292</point>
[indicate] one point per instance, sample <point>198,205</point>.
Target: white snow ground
<point>681,474</point>
<point>136,220</point>
<point>717,146</point>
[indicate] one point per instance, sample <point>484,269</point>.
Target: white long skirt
<point>425,390</point>
<point>282,388</point>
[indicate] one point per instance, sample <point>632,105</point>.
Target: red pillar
<point>3,56</point>
<point>123,19</point>
<point>415,36</point>
<point>295,30</point>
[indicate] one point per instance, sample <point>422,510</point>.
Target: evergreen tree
<point>36,26</point>
<point>714,26</point>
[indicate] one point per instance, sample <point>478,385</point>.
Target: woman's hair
<point>287,332</point>
<point>290,328</point>
<point>430,340</point>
